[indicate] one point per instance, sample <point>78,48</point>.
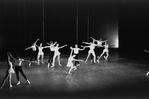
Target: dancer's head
<point>40,44</point>
<point>57,45</point>
<point>10,58</point>
<point>76,46</point>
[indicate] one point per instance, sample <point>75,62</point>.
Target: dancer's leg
<point>21,71</point>
<point>4,80</point>
<point>58,57</point>
<point>70,69</point>
<point>17,74</point>
<point>38,56</point>
<point>10,80</point>
<point>101,55</point>
<point>94,57</point>
<point>53,60</point>
<point>87,56</point>
<point>42,57</point>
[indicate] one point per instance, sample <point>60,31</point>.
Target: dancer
<point>70,62</point>
<point>51,53</point>
<point>33,54</point>
<point>91,51</point>
<point>18,68</point>
<point>56,54</point>
<point>146,51</point>
<point>76,52</point>
<point>147,73</point>
<point>105,51</point>
<point>40,53</point>
<point>9,71</point>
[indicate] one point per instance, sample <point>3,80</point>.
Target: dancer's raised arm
<point>36,41</point>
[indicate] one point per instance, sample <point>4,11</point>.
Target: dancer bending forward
<point>70,62</point>
<point>33,54</point>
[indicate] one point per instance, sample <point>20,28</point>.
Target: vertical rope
<point>88,28</point>
<point>77,26</point>
<point>43,22</point>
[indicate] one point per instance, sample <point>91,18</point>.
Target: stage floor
<point>117,78</point>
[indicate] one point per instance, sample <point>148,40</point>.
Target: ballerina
<point>40,53</point>
<point>70,62</point>
<point>91,50</point>
<point>105,51</point>
<point>9,71</point>
<point>56,54</point>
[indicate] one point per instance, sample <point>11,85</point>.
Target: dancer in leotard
<point>70,62</point>
<point>105,51</point>
<point>40,53</point>
<point>9,71</point>
<point>57,53</point>
<point>91,51</point>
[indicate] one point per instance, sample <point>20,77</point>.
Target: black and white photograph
<point>74,49</point>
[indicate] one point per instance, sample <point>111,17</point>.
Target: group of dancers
<point>72,63</point>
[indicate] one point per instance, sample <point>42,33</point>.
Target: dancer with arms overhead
<point>9,71</point>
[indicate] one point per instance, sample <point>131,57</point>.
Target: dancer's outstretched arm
<point>63,46</point>
<point>146,51</point>
<point>82,49</point>
<point>85,42</point>
<point>28,48</point>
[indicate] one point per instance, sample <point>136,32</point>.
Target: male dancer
<point>40,53</point>
<point>51,52</point>
<point>34,49</point>
<point>18,68</point>
<point>76,52</point>
<point>70,62</point>
<point>91,51</point>
<point>105,51</point>
<point>9,71</point>
<point>56,54</point>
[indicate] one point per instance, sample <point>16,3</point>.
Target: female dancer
<point>40,53</point>
<point>76,52</point>
<point>70,62</point>
<point>18,68</point>
<point>91,51</point>
<point>33,54</point>
<point>9,71</point>
<point>105,51</point>
<point>56,54</point>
